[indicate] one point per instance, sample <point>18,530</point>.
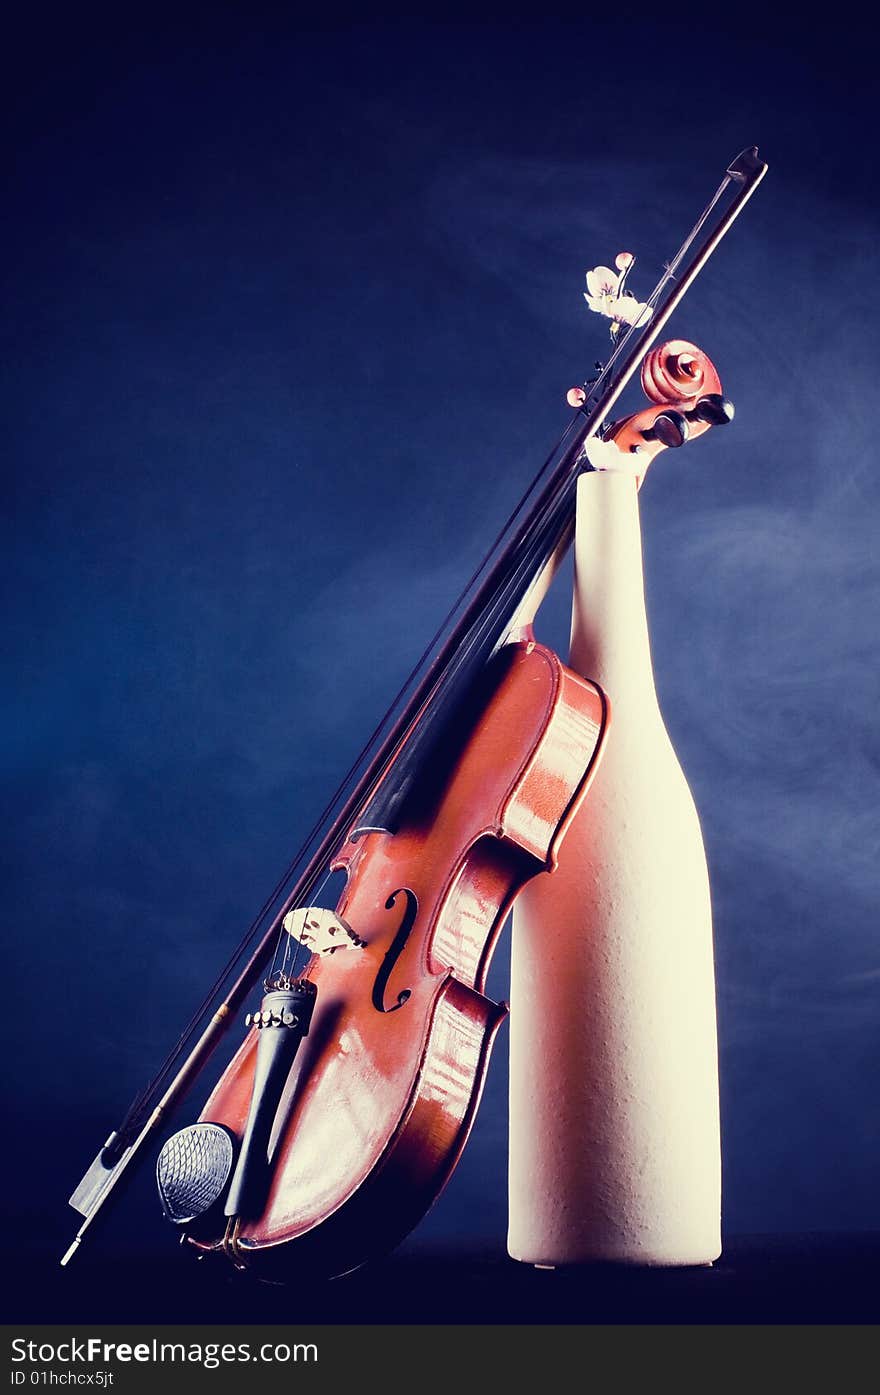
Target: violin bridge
<point>320,930</point>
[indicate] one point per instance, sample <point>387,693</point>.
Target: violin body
<point>379,1104</point>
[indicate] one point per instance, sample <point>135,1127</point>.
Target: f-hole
<point>395,950</point>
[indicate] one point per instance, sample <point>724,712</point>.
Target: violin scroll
<point>684,388</point>
<point>678,371</point>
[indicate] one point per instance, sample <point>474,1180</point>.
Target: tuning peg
<point>714,409</point>
<point>670,429</point>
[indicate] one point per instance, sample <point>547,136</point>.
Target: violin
<point>350,1098</point>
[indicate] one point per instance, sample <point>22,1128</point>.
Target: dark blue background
<point>291,308</point>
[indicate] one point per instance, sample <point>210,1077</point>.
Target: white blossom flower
<point>605,294</point>
<point>629,311</point>
<point>601,292</point>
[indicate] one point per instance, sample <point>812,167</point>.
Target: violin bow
<point>491,607</point>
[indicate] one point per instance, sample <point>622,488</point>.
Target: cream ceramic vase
<point>614,1126</point>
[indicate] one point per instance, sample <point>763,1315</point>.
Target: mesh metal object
<point>192,1171</point>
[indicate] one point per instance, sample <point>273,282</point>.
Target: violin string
<point>289,968</point>
<point>296,971</point>
<point>285,958</point>
<point>280,972</point>
<point>275,969</point>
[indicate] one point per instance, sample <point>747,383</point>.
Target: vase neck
<point>609,629</point>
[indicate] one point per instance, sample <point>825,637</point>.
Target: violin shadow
<point>323,1031</point>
